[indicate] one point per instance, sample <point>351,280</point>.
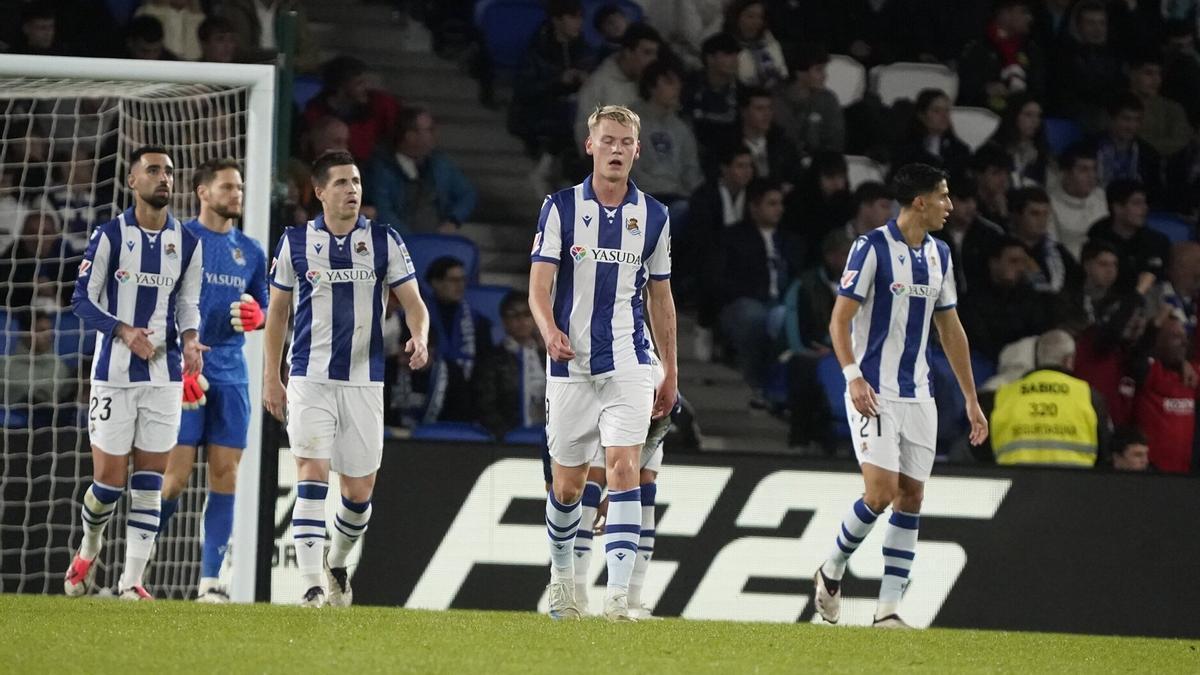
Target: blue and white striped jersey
<point>899,288</point>
<point>341,286</point>
<point>144,279</point>
<point>605,257</point>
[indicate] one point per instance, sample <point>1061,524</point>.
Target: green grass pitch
<point>56,634</point>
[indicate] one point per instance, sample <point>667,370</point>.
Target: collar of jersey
<point>631,192</point>
<point>131,220</point>
<point>894,230</point>
<point>318,223</point>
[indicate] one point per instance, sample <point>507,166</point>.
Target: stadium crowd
<point>1073,234</point>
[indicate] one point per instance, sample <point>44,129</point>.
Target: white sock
<point>562,521</point>
<point>99,502</point>
<point>645,544</point>
<point>855,527</point>
<point>899,551</point>
<point>308,530</point>
<point>621,533</point>
<point>584,536</point>
<point>141,527</point>
<point>348,526</point>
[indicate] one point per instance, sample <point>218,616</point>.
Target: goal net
<point>64,144</point>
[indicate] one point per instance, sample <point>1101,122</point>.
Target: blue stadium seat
<point>1061,133</point>
<point>466,432</point>
<point>507,27</point>
<point>71,339</point>
<point>526,436</point>
<point>10,334</point>
<point>629,8</point>
<point>304,89</point>
<point>1172,225</point>
<point>14,418</point>
<point>486,299</point>
<point>829,374</point>
<point>425,248</point>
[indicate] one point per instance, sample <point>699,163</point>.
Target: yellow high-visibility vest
<point>1045,418</point>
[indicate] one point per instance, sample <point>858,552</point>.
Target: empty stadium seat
<point>631,10</point>
<point>486,299</point>
<point>526,436</point>
<point>846,78</point>
<point>833,383</point>
<point>425,248</point>
<point>1061,133</point>
<point>507,27</point>
<point>466,432</point>
<point>974,125</point>
<point>860,169</point>
<point>903,80</point>
<point>1172,225</point>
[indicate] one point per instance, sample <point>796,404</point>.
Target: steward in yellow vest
<point>1046,418</point>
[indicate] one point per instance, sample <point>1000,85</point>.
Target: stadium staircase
<point>503,224</point>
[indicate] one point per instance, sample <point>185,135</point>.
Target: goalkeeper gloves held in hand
<point>194,387</point>
<point>246,314</point>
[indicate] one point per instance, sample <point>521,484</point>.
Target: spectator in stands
<point>1183,181</point>
<point>218,41</point>
<point>1051,26</point>
<point>79,201</point>
<point>1005,308</point>
<point>931,139</point>
<point>761,62</point>
<point>416,187</point>
<point>463,336</point>
<point>1076,200</point>
<point>1052,266</point>
<point>1096,303</point>
<point>669,164</point>
<point>1088,68</point>
<point>39,269</point>
<point>717,205</point>
<point>867,29</point>
<point>872,205</point>
<point>555,67</point>
<point>34,375</point>
<point>1130,451</point>
<point>611,23</point>
<point>180,21</point>
<point>1181,68</point>
<point>144,40</point>
<point>806,110</point>
<point>1022,135</point>
<point>1141,248</point>
<point>615,81</point>
<point>1122,154</point>
<point>510,387</point>
<point>1049,417</point>
<point>710,98</point>
<point>993,169</point>
<point>758,261</point>
<point>39,32</point>
<point>1164,122</point>
<point>11,210</point>
<point>969,235</point>
<point>1165,404</point>
<point>1179,290</point>
<point>773,154</point>
<point>347,95</point>
<point>684,25</point>
<point>256,25</point>
<point>820,204</point>
<point>1004,62</point>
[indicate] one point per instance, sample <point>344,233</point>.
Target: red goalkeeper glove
<point>246,314</point>
<point>194,387</point>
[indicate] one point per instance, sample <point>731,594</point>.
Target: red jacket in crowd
<point>1165,410</point>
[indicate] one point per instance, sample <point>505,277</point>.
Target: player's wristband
<point>851,372</point>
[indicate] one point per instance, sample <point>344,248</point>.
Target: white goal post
<point>258,81</point>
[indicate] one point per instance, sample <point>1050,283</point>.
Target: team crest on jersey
<point>171,252</point>
<point>848,278</point>
<point>122,276</point>
<point>361,248</point>
<point>631,224</point>
<point>314,277</point>
<point>84,267</point>
<point>238,257</point>
<point>578,253</point>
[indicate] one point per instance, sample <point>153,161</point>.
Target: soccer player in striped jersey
<point>897,277</point>
<point>139,286</point>
<point>599,245</point>
<point>337,271</point>
<point>217,403</point>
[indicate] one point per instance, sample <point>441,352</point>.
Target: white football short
<point>606,413</point>
<point>338,422</point>
<point>143,417</point>
<point>902,438</point>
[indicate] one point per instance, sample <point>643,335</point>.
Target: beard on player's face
<point>155,198</point>
<point>228,211</point>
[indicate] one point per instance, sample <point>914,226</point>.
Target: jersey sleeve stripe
<point>402,280</point>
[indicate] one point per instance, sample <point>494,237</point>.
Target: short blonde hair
<point>617,113</point>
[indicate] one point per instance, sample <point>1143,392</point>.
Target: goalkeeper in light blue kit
<point>216,403</point>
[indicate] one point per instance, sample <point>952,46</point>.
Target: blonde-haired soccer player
<point>599,245</point>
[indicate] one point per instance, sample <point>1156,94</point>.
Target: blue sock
<point>166,509</point>
<point>856,526</point>
<point>583,537</point>
<point>218,525</point>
